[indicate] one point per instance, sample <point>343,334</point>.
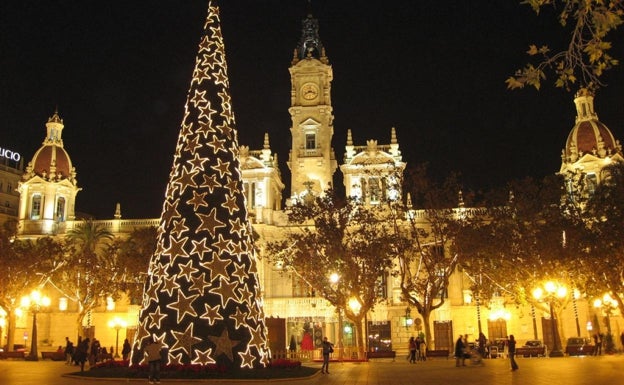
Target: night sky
<point>118,71</point>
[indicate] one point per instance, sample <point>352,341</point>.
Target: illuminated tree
<point>340,239</point>
<point>201,298</point>
<point>87,273</point>
<point>425,242</point>
<point>133,256</point>
<point>604,261</point>
<point>587,54</point>
<point>23,265</point>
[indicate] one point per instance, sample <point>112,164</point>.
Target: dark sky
<point>119,71</point>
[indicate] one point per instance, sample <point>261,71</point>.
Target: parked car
<point>532,348</point>
<point>578,346</point>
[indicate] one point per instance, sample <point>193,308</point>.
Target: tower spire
<point>201,299</point>
<point>310,45</point>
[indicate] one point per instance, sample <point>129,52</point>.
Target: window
<point>374,190</point>
<point>35,211</point>
<point>379,336</point>
<point>310,142</point>
<point>591,182</point>
<point>60,209</point>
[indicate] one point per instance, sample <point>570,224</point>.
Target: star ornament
<point>223,345</point>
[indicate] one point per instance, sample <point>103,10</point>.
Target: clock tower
<point>311,161</point>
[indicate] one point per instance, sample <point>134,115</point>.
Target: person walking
<point>512,352</point>
<point>152,353</point>
<point>328,348</point>
<point>459,351</point>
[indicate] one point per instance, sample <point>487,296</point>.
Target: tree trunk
<point>11,330</point>
<point>425,316</point>
<point>359,341</point>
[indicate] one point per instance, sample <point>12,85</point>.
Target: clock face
<point>309,91</point>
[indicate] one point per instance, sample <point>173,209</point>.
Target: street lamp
<point>117,323</point>
<point>34,302</point>
<point>551,292</point>
<point>408,318</point>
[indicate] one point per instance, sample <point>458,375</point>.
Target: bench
<point>5,355</point>
<point>54,356</point>
<point>382,354</point>
<point>438,353</point>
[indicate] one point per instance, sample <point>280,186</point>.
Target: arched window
<point>35,207</point>
<point>60,209</point>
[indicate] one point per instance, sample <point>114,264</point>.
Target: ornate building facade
<point>49,187</point>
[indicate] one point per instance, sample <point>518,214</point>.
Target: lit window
<point>110,304</point>
<point>35,212</point>
<point>63,303</point>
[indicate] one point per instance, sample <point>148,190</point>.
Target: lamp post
<point>408,318</point>
<point>551,292</point>
<point>334,278</point>
<point>34,302</point>
<point>117,324</point>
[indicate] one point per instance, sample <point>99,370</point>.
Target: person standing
<point>69,351</point>
<point>152,353</point>
<point>412,350</point>
<point>512,352</point>
<point>80,355</point>
<point>482,342</point>
<point>125,350</point>
<point>328,348</point>
<point>459,351</point>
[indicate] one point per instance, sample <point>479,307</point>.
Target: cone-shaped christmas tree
<point>201,299</point>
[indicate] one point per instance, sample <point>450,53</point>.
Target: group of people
<point>463,350</point>
<point>87,350</point>
<point>417,350</point>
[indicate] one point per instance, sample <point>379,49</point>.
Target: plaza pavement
<point>602,370</point>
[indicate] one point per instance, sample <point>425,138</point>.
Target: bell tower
<point>311,160</point>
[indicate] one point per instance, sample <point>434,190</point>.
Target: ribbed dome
<point>589,135</point>
<point>51,161</point>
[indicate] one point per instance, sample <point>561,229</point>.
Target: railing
<point>339,354</point>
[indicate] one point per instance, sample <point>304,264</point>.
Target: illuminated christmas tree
<point>201,300</point>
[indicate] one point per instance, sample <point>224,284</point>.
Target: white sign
<point>11,155</point>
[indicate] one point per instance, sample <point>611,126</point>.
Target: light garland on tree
<point>201,300</point>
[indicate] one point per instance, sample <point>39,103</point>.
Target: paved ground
<point>604,370</point>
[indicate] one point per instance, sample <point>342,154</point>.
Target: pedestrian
<point>412,350</point>
<point>125,350</point>
<point>152,352</point>
<point>69,351</point>
<point>328,348</point>
<point>622,340</point>
<point>94,352</point>
<point>81,353</point>
<point>512,352</point>
<point>459,351</point>
<point>482,342</point>
<point>422,349</point>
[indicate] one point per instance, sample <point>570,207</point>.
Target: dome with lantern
<point>51,162</point>
<point>590,145</point>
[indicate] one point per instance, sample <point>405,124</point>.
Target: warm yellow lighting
<point>537,293</point>
<point>63,303</point>
<point>355,305</point>
<point>597,302</point>
<point>110,304</point>
<point>334,278</point>
<point>117,323</point>
<point>550,287</point>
